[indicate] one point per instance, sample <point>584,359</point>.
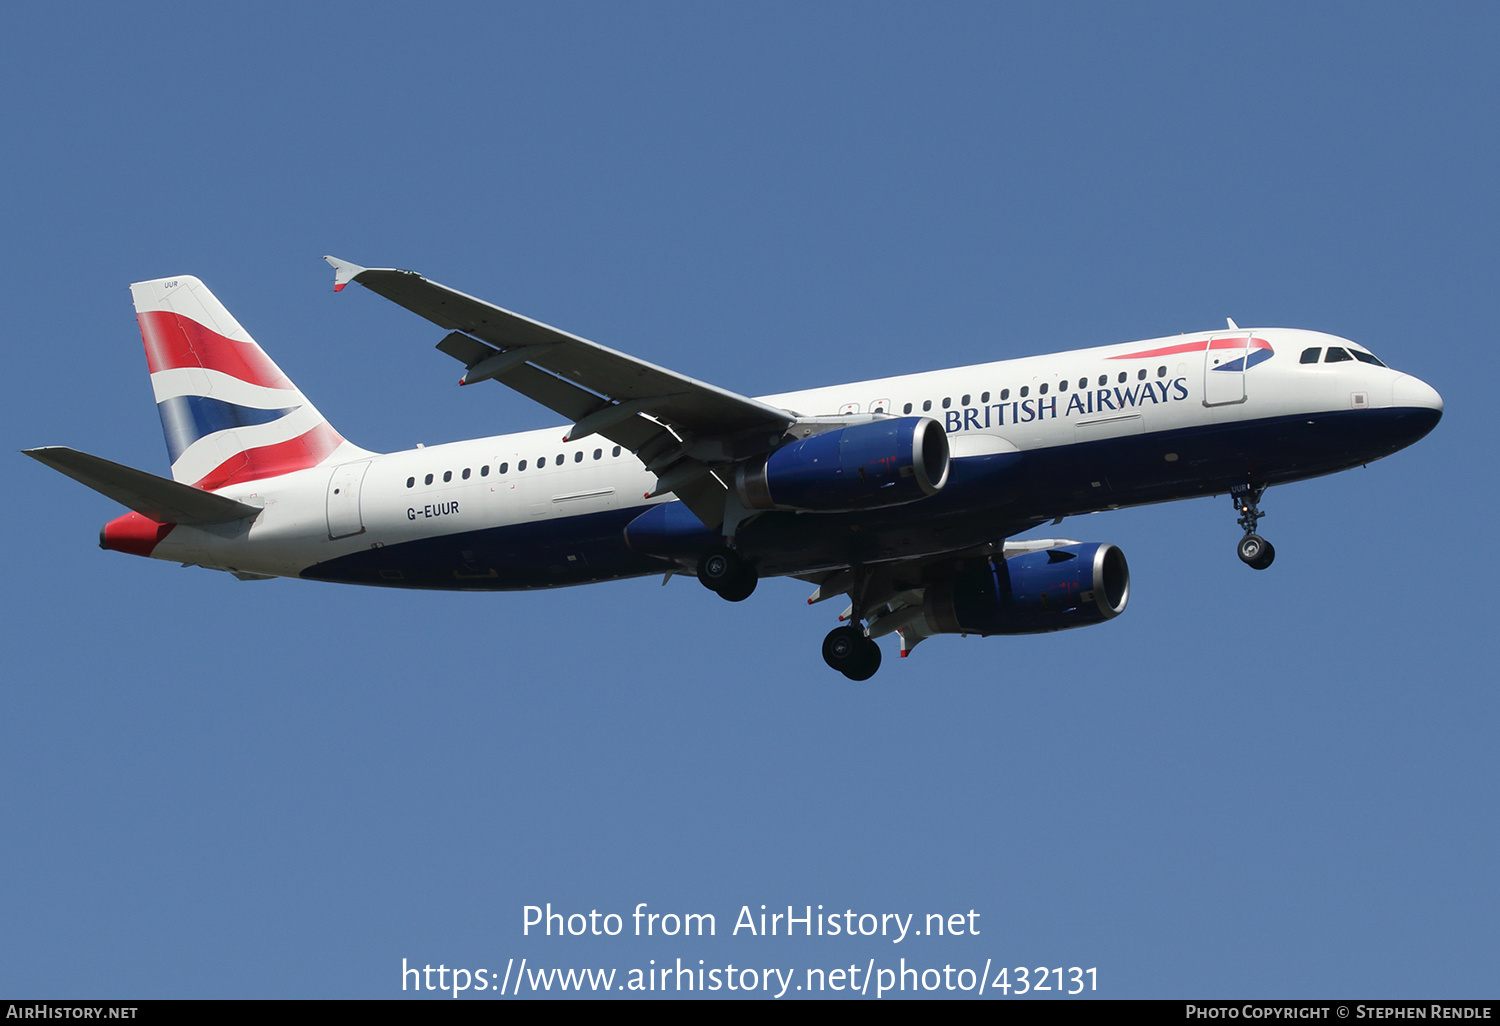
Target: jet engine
<point>864,466</point>
<point>1047,590</point>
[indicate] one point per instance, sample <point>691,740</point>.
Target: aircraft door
<point>1224,370</point>
<point>343,500</point>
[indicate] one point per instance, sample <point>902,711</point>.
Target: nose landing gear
<point>1256,552</point>
<point>1253,550</point>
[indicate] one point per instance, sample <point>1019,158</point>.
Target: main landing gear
<point>726,573</point>
<point>848,651</point>
<point>1254,551</point>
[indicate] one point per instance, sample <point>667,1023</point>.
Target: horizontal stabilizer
<point>165,501</point>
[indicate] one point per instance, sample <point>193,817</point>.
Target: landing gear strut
<point>1254,551</point>
<point>848,651</point>
<point>728,574</point>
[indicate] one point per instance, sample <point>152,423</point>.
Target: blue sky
<point>1278,784</point>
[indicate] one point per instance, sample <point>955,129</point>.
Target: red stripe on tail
<point>173,340</point>
<point>306,450</point>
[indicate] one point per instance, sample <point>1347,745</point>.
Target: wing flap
<point>468,351</point>
<point>163,500</point>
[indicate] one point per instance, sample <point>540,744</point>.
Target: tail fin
<point>228,412</point>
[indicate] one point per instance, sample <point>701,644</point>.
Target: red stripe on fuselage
<point>133,533</point>
<point>1195,347</point>
<point>306,450</point>
<point>173,340</point>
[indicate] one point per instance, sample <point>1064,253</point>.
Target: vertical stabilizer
<point>228,412</point>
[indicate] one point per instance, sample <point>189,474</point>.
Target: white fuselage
<point>1024,405</point>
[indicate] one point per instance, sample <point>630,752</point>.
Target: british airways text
<point>1098,400</point>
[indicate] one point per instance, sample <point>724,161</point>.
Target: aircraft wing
<point>681,428</point>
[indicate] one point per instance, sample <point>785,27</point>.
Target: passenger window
<point>1141,374</point>
<point>880,406</point>
<point>985,398</point>
<point>926,405</point>
<point>465,474</point>
<point>1103,380</point>
<point>447,476</point>
<point>1042,390</point>
<point>1062,386</point>
<point>1004,394</point>
<point>1161,372</point>
<point>1123,376</point>
<point>411,482</point>
<point>578,456</point>
<point>484,471</point>
<point>964,401</point>
<point>1024,390</point>
<point>520,466</point>
<point>906,408</point>
<point>560,460</point>
<point>428,479</point>
<point>1083,382</point>
<point>541,461</point>
<point>1311,355</point>
<point>504,468</point>
<point>947,402</point>
<point>1336,355</point>
<point>617,450</point>
<point>598,453</point>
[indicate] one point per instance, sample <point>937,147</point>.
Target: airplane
<point>907,495</point>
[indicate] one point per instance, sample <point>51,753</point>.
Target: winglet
<point>343,272</point>
<point>1232,326</point>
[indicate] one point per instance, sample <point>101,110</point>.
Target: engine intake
<point>1049,590</point>
<point>884,463</point>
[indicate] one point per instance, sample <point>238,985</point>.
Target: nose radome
<point>1408,391</point>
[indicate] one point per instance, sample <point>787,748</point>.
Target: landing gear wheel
<point>870,663</point>
<point>725,571</point>
<point>1255,552</point>
<point>848,651</point>
<point>739,589</point>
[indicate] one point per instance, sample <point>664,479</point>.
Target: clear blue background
<point>1279,784</point>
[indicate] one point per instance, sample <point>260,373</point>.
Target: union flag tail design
<point>228,412</point>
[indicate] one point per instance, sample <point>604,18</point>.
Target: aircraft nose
<point>1414,393</point>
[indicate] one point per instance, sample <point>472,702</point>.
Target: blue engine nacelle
<point>1048,590</point>
<point>883,463</point>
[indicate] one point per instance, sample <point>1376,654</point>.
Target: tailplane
<point>228,412</point>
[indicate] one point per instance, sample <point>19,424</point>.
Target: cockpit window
<point>1364,357</point>
<point>1311,355</point>
<point>1337,355</point>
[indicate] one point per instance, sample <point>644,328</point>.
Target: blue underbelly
<point>986,498</point>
